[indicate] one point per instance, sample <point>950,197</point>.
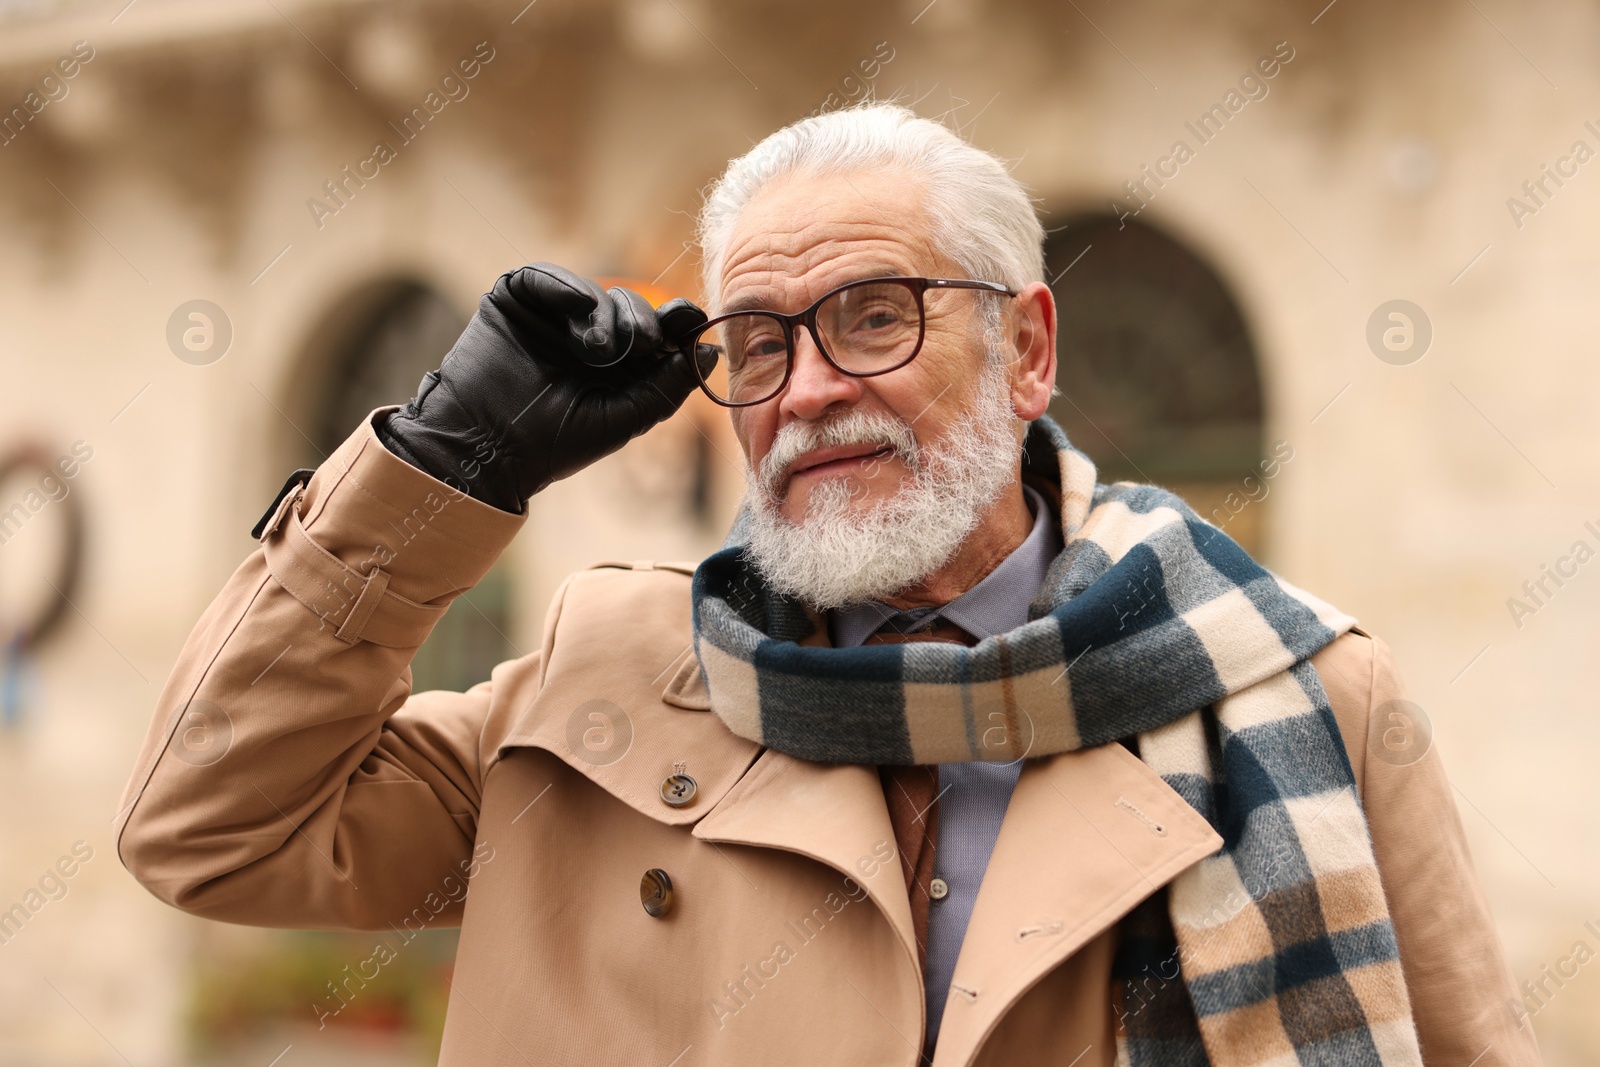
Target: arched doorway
<point>1157,371</point>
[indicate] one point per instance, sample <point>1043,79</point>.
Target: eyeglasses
<point>862,329</point>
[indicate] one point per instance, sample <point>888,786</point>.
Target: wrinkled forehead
<point>801,236</point>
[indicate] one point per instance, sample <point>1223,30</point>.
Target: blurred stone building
<point>233,227</point>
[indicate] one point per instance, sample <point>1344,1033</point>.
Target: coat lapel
<point>832,813</point>
<point>1087,835</point>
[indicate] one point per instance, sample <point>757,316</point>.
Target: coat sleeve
<point>288,777</point>
<point>1463,996</point>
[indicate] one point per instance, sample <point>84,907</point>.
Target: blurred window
<point>1157,370</point>
<point>405,333</point>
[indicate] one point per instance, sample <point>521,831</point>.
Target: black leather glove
<point>552,373</point>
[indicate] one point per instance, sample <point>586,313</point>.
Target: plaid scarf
<point>1155,629</point>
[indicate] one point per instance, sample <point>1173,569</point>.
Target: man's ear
<point>1033,374</point>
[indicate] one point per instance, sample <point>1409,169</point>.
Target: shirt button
<point>938,889</point>
<point>655,892</point>
<point>678,790</point>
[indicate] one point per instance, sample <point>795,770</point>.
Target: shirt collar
<point>996,604</point>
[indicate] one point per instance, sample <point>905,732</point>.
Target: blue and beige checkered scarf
<point>1154,629</point>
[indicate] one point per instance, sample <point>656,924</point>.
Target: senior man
<point>951,754</point>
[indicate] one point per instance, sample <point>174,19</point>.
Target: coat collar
<point>619,698</point>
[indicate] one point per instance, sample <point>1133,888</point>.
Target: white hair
<point>980,215</point>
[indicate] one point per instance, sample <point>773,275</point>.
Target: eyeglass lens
<point>865,329</point>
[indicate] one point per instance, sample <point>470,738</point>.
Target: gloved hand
<point>551,374</point>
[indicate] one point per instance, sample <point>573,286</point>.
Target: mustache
<point>846,428</point>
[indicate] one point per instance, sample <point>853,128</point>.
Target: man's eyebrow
<point>756,303</point>
<point>746,303</point>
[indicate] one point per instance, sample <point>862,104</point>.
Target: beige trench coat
<point>291,778</point>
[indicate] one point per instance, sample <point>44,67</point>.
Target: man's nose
<point>816,385</point>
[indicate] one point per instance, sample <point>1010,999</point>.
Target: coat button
<point>938,889</point>
<point>655,892</point>
<point>678,790</point>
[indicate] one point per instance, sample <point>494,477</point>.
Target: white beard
<point>839,555</point>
